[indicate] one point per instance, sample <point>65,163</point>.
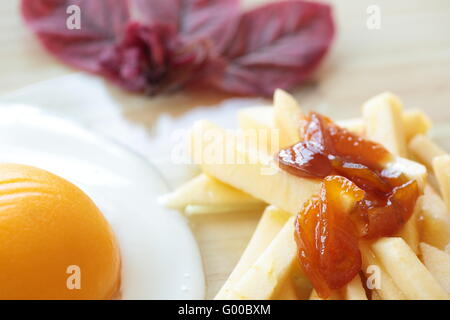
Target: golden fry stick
<point>354,290</point>
<point>287,116</point>
<point>193,210</point>
<point>410,231</point>
<point>286,291</point>
<point>384,123</point>
<point>438,262</point>
<point>302,285</point>
<point>207,191</point>
<point>435,222</point>
<point>270,269</point>
<point>383,117</point>
<point>355,125</point>
<point>249,171</point>
<point>441,166</point>
<point>410,275</point>
<point>415,122</point>
<point>272,220</point>
<point>425,150</point>
<point>385,288</point>
<point>261,119</point>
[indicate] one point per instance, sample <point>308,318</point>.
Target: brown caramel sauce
<point>377,202</point>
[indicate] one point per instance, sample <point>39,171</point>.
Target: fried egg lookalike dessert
<point>54,242</point>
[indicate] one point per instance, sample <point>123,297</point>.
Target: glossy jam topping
<point>359,198</point>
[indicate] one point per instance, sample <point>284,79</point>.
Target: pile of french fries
<point>414,264</point>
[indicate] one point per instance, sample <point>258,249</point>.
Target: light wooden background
<point>409,55</point>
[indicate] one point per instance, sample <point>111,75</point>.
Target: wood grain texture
<point>409,56</point>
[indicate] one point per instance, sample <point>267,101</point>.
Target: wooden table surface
<point>409,56</point>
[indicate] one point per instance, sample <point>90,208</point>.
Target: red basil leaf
<point>276,46</point>
<point>150,46</point>
<point>195,20</point>
<point>151,59</point>
<point>169,43</point>
<point>100,26</point>
<point>171,51</point>
<point>140,61</point>
<point>211,20</point>
<point>155,12</point>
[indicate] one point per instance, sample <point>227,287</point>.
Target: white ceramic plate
<point>159,254</point>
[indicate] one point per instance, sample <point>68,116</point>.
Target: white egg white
<point>160,259</point>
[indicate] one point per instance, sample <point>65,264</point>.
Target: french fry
<point>295,287</point>
<point>287,116</point>
<point>405,268</point>
<point>286,291</point>
<point>355,125</point>
<point>415,122</point>
<point>425,150</point>
<point>261,119</point>
<point>410,231</point>
<point>272,220</point>
<point>384,123</point>
<point>270,269</point>
<point>438,263</point>
<point>441,166</point>
<point>207,191</point>
<point>256,175</point>
<point>193,210</point>
<point>387,289</point>
<point>302,285</point>
<point>435,222</point>
<point>354,290</point>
